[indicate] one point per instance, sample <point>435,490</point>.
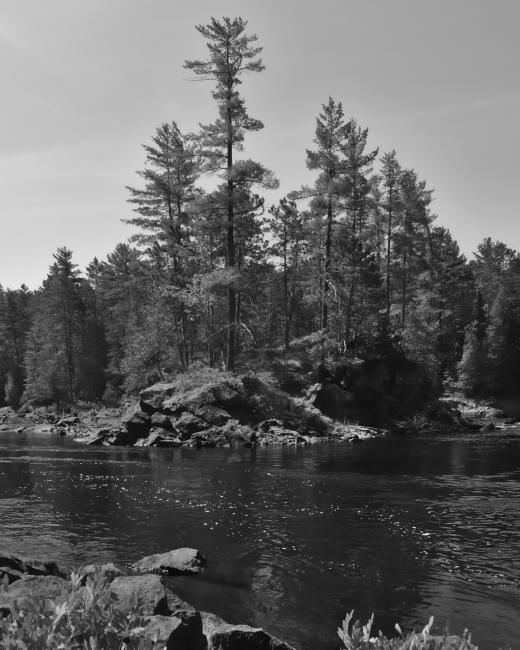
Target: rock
<point>136,422</point>
<point>43,428</point>
<point>187,424</point>
<point>333,400</point>
<point>224,391</point>
<point>153,439</point>
<point>151,399</point>
<point>35,587</point>
<point>173,633</point>
<point>212,415</point>
<point>4,427</point>
<point>223,636</point>
<point>68,422</point>
<point>162,422</point>
<point>93,439</point>
<point>107,572</point>
<point>11,574</point>
<point>145,594</point>
<point>30,566</point>
<point>176,562</point>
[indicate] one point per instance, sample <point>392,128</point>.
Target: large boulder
<point>136,422</point>
<point>151,399</point>
<point>173,633</point>
<point>333,400</point>
<point>161,421</point>
<point>212,415</point>
<point>177,562</point>
<point>223,636</point>
<point>144,594</point>
<point>187,424</point>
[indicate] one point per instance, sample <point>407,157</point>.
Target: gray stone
<point>178,561</point>
<point>144,594</point>
<point>223,636</point>
<point>136,422</point>
<point>162,422</point>
<point>152,398</point>
<point>187,424</point>
<point>173,633</point>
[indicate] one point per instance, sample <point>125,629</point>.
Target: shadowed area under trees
<point>354,261</point>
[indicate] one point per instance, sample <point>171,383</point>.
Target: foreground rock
<point>181,561</point>
<point>224,636</point>
<point>174,633</point>
<point>161,617</point>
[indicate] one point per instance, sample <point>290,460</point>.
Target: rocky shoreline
<point>218,410</point>
<point>142,591</point>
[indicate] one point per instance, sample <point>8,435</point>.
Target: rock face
<point>223,636</point>
<point>177,562</point>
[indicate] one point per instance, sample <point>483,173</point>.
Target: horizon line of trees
<point>209,276</point>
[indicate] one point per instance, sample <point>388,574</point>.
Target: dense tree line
<point>209,276</point>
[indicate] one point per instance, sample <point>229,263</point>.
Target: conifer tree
<point>231,54</point>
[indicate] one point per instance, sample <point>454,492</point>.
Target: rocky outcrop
<point>219,409</point>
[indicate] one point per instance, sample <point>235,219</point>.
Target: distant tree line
<point>209,276</point>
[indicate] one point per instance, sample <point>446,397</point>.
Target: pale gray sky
<point>86,82</point>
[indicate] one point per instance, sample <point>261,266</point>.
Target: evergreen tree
<point>231,54</point>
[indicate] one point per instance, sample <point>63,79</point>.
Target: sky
<point>85,83</point>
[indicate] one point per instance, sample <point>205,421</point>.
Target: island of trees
<point>356,261</point>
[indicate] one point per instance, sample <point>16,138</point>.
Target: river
<point>295,537</point>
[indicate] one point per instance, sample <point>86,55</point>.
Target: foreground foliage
<point>360,637</point>
<point>87,620</point>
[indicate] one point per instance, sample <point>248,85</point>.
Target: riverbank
<point>201,409</point>
<point>108,606</point>
<point>211,408</point>
<point>136,607</point>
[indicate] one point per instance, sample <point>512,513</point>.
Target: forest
<point>210,277</point>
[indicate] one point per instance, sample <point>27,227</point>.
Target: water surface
<point>294,536</point>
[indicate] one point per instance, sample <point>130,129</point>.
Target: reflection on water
<point>294,537</point>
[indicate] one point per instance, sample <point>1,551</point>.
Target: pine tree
<point>231,54</point>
